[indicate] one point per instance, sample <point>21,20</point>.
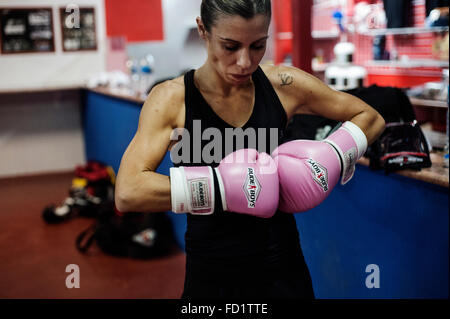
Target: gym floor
<point>34,255</point>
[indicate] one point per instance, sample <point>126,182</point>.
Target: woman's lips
<point>240,77</point>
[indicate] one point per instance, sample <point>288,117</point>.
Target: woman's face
<point>236,46</point>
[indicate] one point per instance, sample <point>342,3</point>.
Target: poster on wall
<point>78,29</point>
<point>26,30</point>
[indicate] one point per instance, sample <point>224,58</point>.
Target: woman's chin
<point>235,79</point>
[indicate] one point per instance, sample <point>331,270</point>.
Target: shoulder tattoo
<point>286,79</point>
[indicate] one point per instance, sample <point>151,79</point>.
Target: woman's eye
<point>231,48</point>
<point>253,47</point>
<point>258,47</point>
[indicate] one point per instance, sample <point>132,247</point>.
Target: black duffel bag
<point>134,235</point>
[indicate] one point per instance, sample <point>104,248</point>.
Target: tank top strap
<point>189,96</point>
<point>267,92</point>
<point>197,108</point>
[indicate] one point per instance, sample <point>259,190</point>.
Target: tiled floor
<point>34,255</point>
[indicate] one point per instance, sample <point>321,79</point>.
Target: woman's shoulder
<point>270,71</point>
<point>279,74</point>
<point>167,99</point>
<point>169,92</point>
<point>170,87</point>
<point>288,82</point>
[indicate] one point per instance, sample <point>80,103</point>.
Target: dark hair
<point>212,9</point>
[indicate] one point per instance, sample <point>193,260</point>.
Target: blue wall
<point>109,126</point>
<point>397,223</point>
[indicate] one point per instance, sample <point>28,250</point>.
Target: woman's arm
<point>138,187</point>
<point>305,94</point>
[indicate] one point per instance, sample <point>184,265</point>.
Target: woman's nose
<point>244,61</point>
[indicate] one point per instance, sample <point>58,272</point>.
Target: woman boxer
<point>241,238</point>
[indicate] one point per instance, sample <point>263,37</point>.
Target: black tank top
<point>227,243</point>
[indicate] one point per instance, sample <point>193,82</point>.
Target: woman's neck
<point>210,80</point>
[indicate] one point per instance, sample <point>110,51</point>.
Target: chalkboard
<point>78,29</point>
<point>26,30</point>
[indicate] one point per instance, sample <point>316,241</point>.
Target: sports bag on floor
<point>134,235</point>
<point>92,185</point>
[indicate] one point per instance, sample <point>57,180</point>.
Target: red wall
<point>137,20</point>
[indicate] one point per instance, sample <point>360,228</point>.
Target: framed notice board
<point>78,29</point>
<point>26,30</point>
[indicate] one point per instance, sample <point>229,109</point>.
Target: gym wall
<point>40,124</point>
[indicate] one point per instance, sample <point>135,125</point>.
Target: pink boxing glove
<point>309,170</point>
<point>247,182</point>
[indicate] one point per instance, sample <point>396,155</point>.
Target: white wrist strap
<point>195,196</point>
<point>359,137</point>
<point>179,192</point>
<point>351,155</point>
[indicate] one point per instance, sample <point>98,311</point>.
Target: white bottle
<point>135,77</point>
<point>146,78</point>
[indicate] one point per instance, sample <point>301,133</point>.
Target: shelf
<point>428,103</point>
<point>403,31</point>
<point>437,174</point>
<point>408,64</point>
<point>328,34</point>
<point>118,93</point>
<point>43,89</point>
<point>415,63</point>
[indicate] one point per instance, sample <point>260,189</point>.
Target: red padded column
<point>282,13</point>
<point>302,46</point>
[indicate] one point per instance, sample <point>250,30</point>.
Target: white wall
<point>170,56</point>
<point>42,132</point>
<point>55,69</point>
<point>182,47</point>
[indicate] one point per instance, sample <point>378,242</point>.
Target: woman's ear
<point>201,28</point>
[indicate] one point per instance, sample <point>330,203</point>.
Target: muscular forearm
<point>371,123</point>
<point>148,192</point>
<point>366,118</point>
